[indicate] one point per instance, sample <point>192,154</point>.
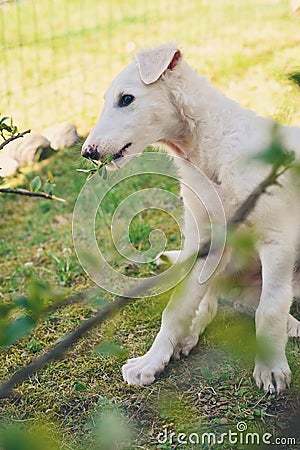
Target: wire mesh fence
<point>58,56</point>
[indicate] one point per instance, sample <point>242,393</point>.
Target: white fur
<point>200,124</point>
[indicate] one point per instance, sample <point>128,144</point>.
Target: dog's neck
<point>181,148</point>
<point>206,121</point>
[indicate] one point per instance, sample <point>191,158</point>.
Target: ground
<point>81,395</point>
<point>213,389</point>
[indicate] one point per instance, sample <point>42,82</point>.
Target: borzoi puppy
<point>159,98</point>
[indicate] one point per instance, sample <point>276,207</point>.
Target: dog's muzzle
<point>90,152</point>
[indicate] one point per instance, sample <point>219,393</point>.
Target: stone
<point>62,135</point>
<point>36,146</point>
<point>28,148</point>
<point>8,165</point>
<point>295,7</point>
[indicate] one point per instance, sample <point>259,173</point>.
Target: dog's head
<point>136,110</point>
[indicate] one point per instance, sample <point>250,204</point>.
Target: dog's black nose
<point>90,152</point>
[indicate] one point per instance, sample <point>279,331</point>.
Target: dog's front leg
<point>174,332</point>
<point>272,371</point>
<point>168,257</point>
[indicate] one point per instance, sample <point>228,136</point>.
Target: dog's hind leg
<point>272,372</point>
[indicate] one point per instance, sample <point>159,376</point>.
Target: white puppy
<point>160,98</point>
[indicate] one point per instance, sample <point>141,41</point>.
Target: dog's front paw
<point>272,378</point>
<point>141,371</point>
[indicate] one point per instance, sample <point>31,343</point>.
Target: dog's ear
<point>154,62</point>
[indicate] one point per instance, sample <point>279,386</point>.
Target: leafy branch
<point>9,132</point>
<point>281,160</point>
<point>27,193</point>
<point>279,166</point>
<point>12,138</point>
<point>98,166</point>
<point>35,186</point>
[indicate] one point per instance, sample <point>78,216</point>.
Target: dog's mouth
<point>115,161</point>
<point>121,152</point>
<point>109,161</point>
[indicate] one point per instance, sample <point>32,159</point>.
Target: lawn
<point>249,50</point>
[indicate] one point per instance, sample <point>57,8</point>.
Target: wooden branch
<point>62,346</point>
<point>59,349</point>
<point>72,300</point>
<point>248,205</point>
<point>12,138</point>
<point>31,194</point>
<point>25,191</point>
<point>109,310</point>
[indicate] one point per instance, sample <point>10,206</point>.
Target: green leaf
<point>16,437</point>
<point>80,387</point>
<point>17,329</point>
<point>33,346</point>
<point>102,172</point>
<point>273,154</point>
<point>108,159</point>
<point>206,373</point>
<point>48,188</point>
<point>21,301</point>
<point>243,242</point>
<point>5,127</point>
<point>38,294</point>
<point>276,153</point>
<point>3,119</point>
<point>295,77</point>
<point>110,348</point>
<point>5,310</point>
<point>97,301</point>
<point>290,157</point>
<point>50,177</point>
<point>259,412</point>
<point>35,184</point>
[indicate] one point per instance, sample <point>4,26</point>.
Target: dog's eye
<point>125,100</point>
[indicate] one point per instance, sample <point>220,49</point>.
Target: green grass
<point>251,51</point>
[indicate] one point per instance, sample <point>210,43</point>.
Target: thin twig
<point>60,348</point>
<point>248,205</point>
<point>74,298</point>
<point>12,138</point>
<point>31,194</point>
<point>120,302</point>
